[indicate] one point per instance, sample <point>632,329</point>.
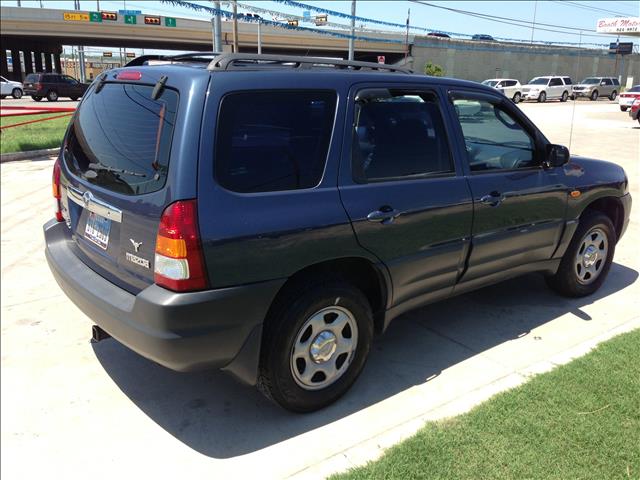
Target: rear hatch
<point>115,165</point>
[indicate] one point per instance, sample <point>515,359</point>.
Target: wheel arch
<point>611,207</point>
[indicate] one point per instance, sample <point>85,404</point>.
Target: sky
<point>575,14</point>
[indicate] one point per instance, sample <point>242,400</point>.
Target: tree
<point>433,70</point>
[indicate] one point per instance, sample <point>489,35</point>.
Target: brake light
<point>129,75</point>
<point>56,191</point>
<point>179,260</point>
<point>38,86</point>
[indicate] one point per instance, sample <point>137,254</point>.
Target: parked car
<point>438,34</point>
<point>634,113</point>
<point>53,86</point>
<point>594,87</point>
<point>232,213</point>
<point>625,100</point>
<point>482,37</point>
<point>9,87</point>
<point>509,87</point>
<point>547,88</point>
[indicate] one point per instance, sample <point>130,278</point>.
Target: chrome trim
<point>91,203</point>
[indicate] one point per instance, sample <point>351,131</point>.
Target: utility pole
<point>533,25</point>
<point>235,26</point>
<point>353,29</point>
<point>98,5</point>
<point>81,65</point>
<point>406,38</point>
<point>217,29</point>
<point>259,36</point>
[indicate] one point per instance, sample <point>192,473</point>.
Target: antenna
<point>573,113</point>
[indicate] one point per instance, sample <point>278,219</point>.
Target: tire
<point>542,97</point>
<point>594,95</point>
<point>623,109</point>
<point>574,278</point>
<point>304,312</point>
<point>52,96</point>
<point>564,96</point>
<point>16,93</point>
<point>74,99</point>
<point>2,97</point>
<point>37,99</point>
<point>517,97</point>
<point>613,95</point>
<point>572,97</point>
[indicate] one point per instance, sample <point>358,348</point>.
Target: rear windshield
<point>539,81</point>
<point>121,138</point>
<point>31,78</point>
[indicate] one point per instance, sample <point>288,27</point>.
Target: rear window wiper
<point>105,168</point>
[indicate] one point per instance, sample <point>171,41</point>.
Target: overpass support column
<point>48,66</point>
<point>4,66</point>
<point>17,65</point>
<point>28,63</point>
<point>38,61</point>
<point>56,62</point>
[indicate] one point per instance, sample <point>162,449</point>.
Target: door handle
<point>494,199</point>
<point>384,215</point>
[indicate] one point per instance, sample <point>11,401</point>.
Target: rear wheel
<point>517,97</point>
<point>315,344</point>
<point>613,95</point>
<point>586,263</point>
<point>542,97</point>
<point>52,96</point>
<point>594,95</point>
<point>564,97</point>
<point>16,93</point>
<point>37,99</point>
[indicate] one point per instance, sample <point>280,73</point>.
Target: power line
<point>510,21</point>
<point>589,7</point>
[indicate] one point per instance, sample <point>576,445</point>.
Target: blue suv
<point>266,215</point>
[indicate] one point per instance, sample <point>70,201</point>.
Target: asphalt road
<point>71,409</point>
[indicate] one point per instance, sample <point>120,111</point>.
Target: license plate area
<point>97,230</point>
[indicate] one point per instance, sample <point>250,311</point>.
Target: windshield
<point>539,81</point>
<point>591,81</point>
<point>120,138</point>
<point>491,83</point>
<point>634,89</point>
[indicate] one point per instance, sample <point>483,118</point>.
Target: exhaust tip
<point>98,334</point>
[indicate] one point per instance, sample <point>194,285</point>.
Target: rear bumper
<point>182,331</point>
<point>634,113</point>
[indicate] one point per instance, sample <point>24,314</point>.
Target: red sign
<point>381,59</point>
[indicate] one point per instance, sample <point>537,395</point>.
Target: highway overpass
<point>35,31</point>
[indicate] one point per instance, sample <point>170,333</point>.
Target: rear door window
<point>121,138</point>
<point>555,82</point>
<point>567,80</point>
<point>273,140</point>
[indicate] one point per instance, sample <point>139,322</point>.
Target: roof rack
<point>204,57</point>
<point>234,61</point>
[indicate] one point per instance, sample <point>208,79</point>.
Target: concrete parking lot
<point>72,409</point>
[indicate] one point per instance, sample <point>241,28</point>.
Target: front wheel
<point>564,97</point>
<point>37,99</point>
<point>594,96</point>
<point>587,261</point>
<point>74,99</point>
<point>517,97</point>
<point>52,96</point>
<point>542,97</point>
<point>16,93</point>
<point>613,95</point>
<point>315,344</point>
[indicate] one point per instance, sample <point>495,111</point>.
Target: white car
<point>7,87</point>
<point>626,99</point>
<point>547,88</point>
<point>509,87</point>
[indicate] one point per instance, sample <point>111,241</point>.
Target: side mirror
<point>556,155</point>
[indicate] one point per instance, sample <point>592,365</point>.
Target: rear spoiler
<point>200,57</point>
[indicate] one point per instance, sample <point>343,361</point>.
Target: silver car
<point>594,87</point>
<point>8,87</point>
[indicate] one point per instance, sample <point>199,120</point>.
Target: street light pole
<point>259,36</point>
<point>217,28</point>
<point>235,26</point>
<point>81,65</point>
<point>353,29</point>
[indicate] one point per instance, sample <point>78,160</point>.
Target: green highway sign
<point>95,17</point>
<point>130,19</point>
<point>169,22</point>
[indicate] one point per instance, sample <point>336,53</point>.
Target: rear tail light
<point>38,86</point>
<point>56,191</point>
<point>179,260</point>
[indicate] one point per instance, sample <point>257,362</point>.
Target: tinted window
<point>121,138</point>
<point>398,136</point>
<point>275,140</point>
<point>32,78</point>
<point>615,81</point>
<point>555,82</point>
<point>635,88</point>
<point>607,81</point>
<point>511,83</point>
<point>567,80</point>
<point>494,140</point>
<point>539,81</point>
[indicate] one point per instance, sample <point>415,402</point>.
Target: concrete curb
<point>12,157</point>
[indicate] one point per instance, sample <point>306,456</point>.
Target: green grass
<point>579,421</point>
<point>36,136</point>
